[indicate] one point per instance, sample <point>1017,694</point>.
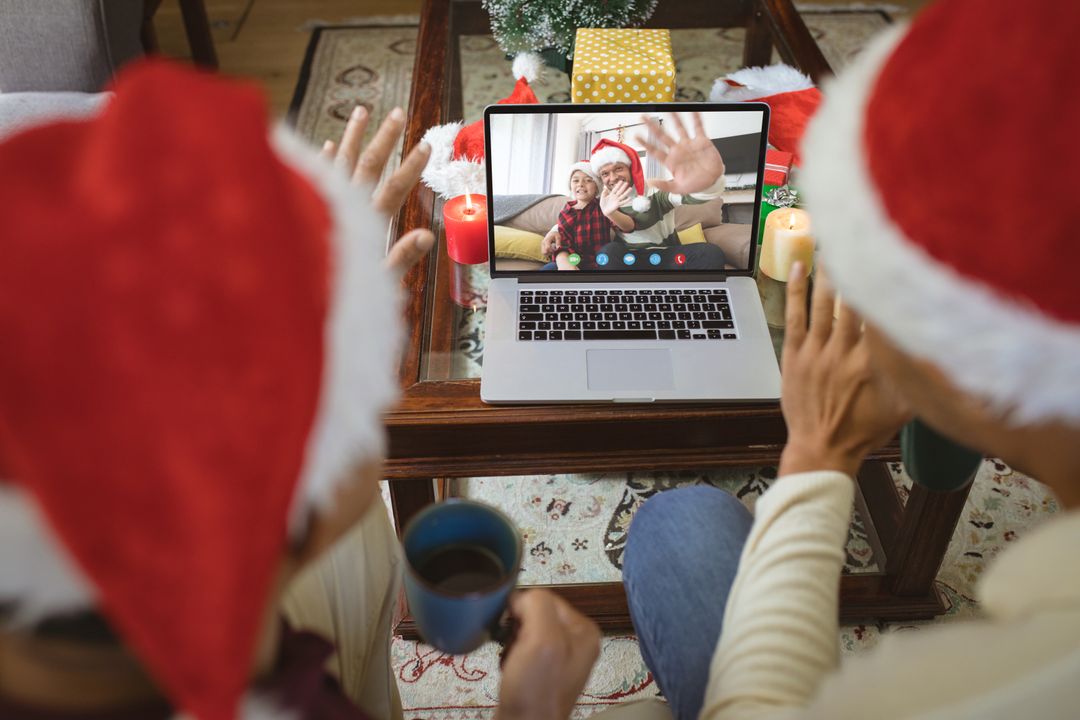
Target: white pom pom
<point>528,65</point>
<point>455,178</point>
<point>641,203</point>
<point>441,139</point>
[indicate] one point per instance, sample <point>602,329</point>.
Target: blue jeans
<point>680,560</point>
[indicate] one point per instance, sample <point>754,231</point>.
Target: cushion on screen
<point>518,244</point>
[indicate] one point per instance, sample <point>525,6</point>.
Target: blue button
<point>629,259</point>
<point>601,259</point>
<point>654,258</point>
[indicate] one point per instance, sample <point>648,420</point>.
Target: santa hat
<point>187,308</point>
<point>925,191</point>
<point>457,150</point>
<point>585,167</point>
<point>606,152</point>
<point>790,95</point>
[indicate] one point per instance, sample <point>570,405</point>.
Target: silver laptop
<point>652,301</point>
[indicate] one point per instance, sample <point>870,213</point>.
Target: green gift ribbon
<point>789,196</point>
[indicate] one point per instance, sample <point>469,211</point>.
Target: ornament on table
<point>622,65</point>
<point>549,27</point>
<point>790,95</point>
<point>456,166</point>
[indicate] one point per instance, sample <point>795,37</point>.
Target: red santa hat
<point>585,167</point>
<point>457,150</point>
<point>606,152</point>
<point>790,95</point>
<point>927,193</point>
<point>198,341</point>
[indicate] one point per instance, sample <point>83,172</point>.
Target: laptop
<point>634,311</point>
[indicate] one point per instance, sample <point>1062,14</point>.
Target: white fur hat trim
<point>586,168</point>
<point>448,177</point>
<point>759,82</point>
<point>1023,363</point>
<point>606,156</point>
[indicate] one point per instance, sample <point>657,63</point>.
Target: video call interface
<point>571,192</point>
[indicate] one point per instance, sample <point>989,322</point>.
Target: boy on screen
<point>585,224</point>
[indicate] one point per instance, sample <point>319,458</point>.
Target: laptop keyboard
<point>679,314</point>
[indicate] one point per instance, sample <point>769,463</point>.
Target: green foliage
<point>520,25</point>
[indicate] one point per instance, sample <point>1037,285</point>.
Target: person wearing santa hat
<point>972,323</point>
<point>198,340</point>
<point>585,224</point>
<point>697,177</point>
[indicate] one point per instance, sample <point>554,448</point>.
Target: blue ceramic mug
<point>462,561</point>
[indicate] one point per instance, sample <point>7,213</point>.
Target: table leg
<point>408,497</point>
<point>757,50</point>
<point>930,518</point>
<point>197,28</point>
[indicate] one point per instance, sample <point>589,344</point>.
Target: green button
<point>574,259</point>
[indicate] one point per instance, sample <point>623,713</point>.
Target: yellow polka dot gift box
<point>622,65</point>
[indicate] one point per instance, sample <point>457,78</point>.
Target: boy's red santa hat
<point>586,167</point>
<point>972,269</point>
<point>790,95</point>
<point>456,166</point>
<point>198,341</point>
<point>606,152</point>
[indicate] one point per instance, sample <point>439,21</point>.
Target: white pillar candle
<point>786,240</point>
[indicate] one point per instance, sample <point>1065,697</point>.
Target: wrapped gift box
<point>777,167</point>
<point>617,65</point>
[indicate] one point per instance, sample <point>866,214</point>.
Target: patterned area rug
<point>575,525</point>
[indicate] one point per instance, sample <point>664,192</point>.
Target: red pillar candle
<point>465,220</point>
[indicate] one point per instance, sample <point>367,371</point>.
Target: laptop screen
<point>576,188</point>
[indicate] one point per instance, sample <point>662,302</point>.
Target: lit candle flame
<point>468,203</point>
<point>791,221</point>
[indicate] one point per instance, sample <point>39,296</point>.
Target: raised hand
<point>836,407</point>
<point>612,200</point>
<point>694,162</point>
<point>365,166</point>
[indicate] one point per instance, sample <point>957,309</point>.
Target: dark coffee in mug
<point>462,560</point>
<point>461,569</point>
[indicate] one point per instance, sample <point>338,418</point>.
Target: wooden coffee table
<point>442,430</point>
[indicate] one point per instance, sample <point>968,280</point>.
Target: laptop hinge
<point>598,278</point>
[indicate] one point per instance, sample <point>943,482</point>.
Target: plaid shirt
<point>583,231</point>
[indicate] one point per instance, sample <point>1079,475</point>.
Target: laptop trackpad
<point>630,369</point>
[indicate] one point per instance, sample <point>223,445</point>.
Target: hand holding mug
<point>548,664</point>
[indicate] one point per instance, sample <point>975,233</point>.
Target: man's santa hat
<point>198,340</point>
<point>606,152</point>
<point>790,95</point>
<point>928,194</point>
<point>456,165</point>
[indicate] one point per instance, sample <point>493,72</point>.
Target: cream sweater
<point>778,654</point>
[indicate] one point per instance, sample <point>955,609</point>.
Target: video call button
<point>602,258</point>
<point>574,259</point>
<point>629,259</point>
<point>654,259</point>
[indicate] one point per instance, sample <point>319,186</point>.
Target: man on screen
<point>693,162</point>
